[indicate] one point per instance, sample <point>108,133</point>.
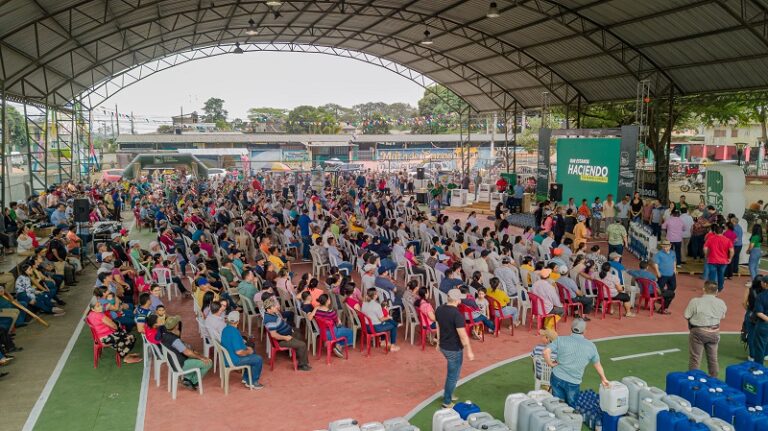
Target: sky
<point>263,79</point>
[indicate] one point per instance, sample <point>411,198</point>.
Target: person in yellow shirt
<point>526,265</point>
<point>580,232</point>
<point>354,226</point>
<point>275,259</point>
<point>497,292</point>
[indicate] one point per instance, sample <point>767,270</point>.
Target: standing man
<point>478,181</point>
<point>465,182</point>
<point>617,236</point>
<point>517,196</point>
<point>573,352</point>
<point>675,229</point>
<point>453,340</point>
<point>306,239</point>
<point>718,252</point>
<point>688,223</point>
<point>704,315</point>
<point>664,262</point>
<point>622,211</point>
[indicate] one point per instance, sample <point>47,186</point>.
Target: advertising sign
<point>542,164</point>
<point>588,167</point>
<point>628,160</point>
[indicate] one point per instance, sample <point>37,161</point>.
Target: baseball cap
<point>665,242</point>
<point>172,321</point>
<point>557,252</point>
<point>581,218</point>
<point>455,295</point>
<point>563,270</point>
<point>369,267</point>
<point>545,273</point>
<point>233,316</point>
<point>107,254</point>
<point>443,257</point>
<point>202,281</point>
<point>115,235</point>
<point>578,326</point>
<point>506,259</point>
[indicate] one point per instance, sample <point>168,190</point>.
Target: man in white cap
<point>233,342</point>
<point>369,276</point>
<point>545,290</point>
<point>508,276</point>
<point>453,341</point>
<point>573,352</point>
<point>577,295</point>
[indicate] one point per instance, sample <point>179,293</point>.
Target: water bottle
<point>598,424</point>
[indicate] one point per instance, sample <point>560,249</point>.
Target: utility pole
<point>133,131</point>
<point>117,119</point>
<point>493,137</point>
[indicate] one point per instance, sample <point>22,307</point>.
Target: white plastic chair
<point>546,373</point>
<point>164,280</point>
<point>317,267</point>
<point>334,262</point>
<point>411,320</point>
<point>227,366</point>
<point>153,354</point>
<point>175,372</point>
<point>207,340</point>
<point>409,274</point>
<point>249,312</point>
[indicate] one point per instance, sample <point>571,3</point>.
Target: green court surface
<point>489,390</point>
<point>85,398</point>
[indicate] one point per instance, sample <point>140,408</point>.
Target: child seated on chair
<point>547,337</point>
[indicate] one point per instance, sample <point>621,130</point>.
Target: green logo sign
<point>588,167</point>
<point>715,190</point>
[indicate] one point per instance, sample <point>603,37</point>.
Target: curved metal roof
<point>53,50</point>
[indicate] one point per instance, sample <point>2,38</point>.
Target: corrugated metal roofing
<point>52,51</point>
<point>316,140</point>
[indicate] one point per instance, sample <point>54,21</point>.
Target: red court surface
<point>383,385</point>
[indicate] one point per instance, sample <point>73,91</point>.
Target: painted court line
<point>141,410</point>
<point>640,355</point>
<point>34,415</point>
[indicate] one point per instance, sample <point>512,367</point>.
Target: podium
<point>459,197</point>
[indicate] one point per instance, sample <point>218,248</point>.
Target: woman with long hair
<point>617,290</point>
<point>754,251</point>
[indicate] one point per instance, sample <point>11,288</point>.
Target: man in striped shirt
<point>282,332</point>
<point>573,352</point>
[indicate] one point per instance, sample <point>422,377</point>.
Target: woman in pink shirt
<point>107,331</point>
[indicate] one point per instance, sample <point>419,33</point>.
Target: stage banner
<point>588,167</point>
<point>542,164</point>
<point>628,161</point>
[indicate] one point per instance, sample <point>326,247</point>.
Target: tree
<point>214,110</point>
<point>17,138</point>
<point>376,124</point>
<point>309,119</point>
<point>165,128</point>
<point>273,118</point>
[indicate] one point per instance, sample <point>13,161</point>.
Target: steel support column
<point>36,136</point>
<point>514,138</point>
<point>506,140</point>
<point>3,144</point>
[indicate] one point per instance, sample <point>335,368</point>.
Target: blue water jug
<point>689,389</point>
<point>610,423</point>
<point>466,408</point>
<point>755,387</point>
<point>674,379</point>
<point>705,400</point>
<point>669,420</point>
<point>735,394</point>
<point>691,426</point>
<point>734,374</point>
<point>726,408</point>
<point>750,419</point>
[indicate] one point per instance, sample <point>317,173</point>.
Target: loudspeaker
<point>419,173</point>
<point>81,208</point>
<point>421,197</point>
<point>556,192</point>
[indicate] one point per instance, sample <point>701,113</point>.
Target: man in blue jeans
<point>233,342</point>
<point>718,252</point>
<point>573,352</point>
<point>306,237</point>
<point>453,340</point>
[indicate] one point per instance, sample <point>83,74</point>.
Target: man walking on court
<point>453,340</point>
<point>573,352</point>
<point>704,315</point>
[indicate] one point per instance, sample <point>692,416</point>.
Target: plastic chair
<point>568,303</point>
<point>249,312</point>
<point>409,274</point>
<point>604,299</point>
<point>425,328</point>
<point>523,304</point>
<point>326,326</point>
<point>175,371</point>
<point>353,322</point>
<point>164,280</point>
<point>469,322</point>
<point>546,373</point>
<point>411,320</point>
<point>275,348</point>
<point>370,335</point>
<point>98,346</point>
<point>155,356</point>
<point>538,314</point>
<point>227,366</point>
<point>497,314</point>
<point>648,296</point>
<point>335,263</point>
<point>317,267</point>
<point>207,340</point>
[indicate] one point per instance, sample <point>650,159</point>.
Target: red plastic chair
<point>538,314</point>
<point>369,334</point>
<point>98,346</point>
<point>604,299</point>
<point>567,299</point>
<point>648,296</point>
<point>326,326</point>
<point>498,316</point>
<point>469,322</point>
<point>425,328</point>
<point>277,348</point>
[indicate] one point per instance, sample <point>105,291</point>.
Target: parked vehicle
<point>111,175</point>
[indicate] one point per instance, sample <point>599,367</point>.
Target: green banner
<point>588,167</point>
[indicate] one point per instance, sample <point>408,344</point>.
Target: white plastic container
<point>526,409</point>
<point>649,409</point>
<point>635,385</point>
<point>405,427</point>
<point>614,400</point>
<point>652,392</point>
<point>676,403</point>
<point>569,416</point>
<point>511,409</point>
<point>559,425</point>
<point>344,425</point>
<point>442,416</point>
<point>395,423</point>
<point>457,425</point>
<point>717,424</point>
<point>494,425</point>
<point>476,420</point>
<point>628,423</point>
<point>539,395</point>
<point>540,419</point>
<point>372,426</point>
<point>695,414</point>
<point>552,403</point>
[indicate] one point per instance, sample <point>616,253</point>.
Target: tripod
<point>83,253</point>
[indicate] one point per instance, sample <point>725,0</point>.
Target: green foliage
<point>165,128</point>
<point>376,125</point>
<point>309,119</point>
<point>17,138</point>
<point>214,111</point>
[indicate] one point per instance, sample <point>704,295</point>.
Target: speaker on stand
<point>556,192</point>
<point>81,209</point>
<point>419,173</point>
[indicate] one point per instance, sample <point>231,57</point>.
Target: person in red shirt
<point>501,185</point>
<point>718,251</point>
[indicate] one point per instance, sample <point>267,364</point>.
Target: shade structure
<point>279,167</point>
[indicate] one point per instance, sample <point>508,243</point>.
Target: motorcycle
<point>691,184</point>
